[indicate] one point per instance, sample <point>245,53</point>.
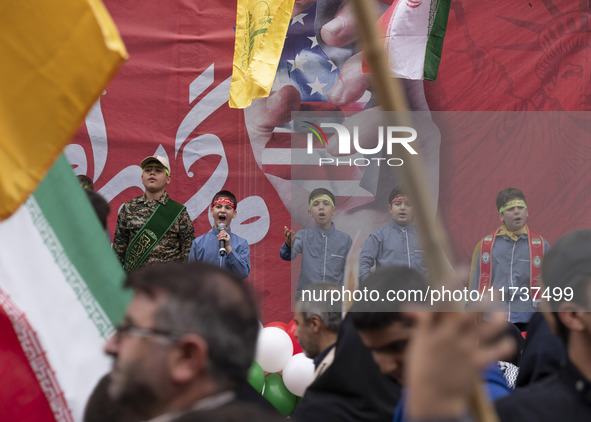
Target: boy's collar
<point>409,226</point>
<point>216,230</point>
<point>161,199</point>
<point>503,231</point>
<point>328,231</point>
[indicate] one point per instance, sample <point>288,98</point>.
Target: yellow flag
<point>261,26</point>
<point>56,58</point>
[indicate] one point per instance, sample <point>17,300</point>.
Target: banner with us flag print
<point>171,98</point>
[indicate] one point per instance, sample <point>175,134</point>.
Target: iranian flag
<point>60,295</point>
<point>60,283</point>
<point>414,32</point>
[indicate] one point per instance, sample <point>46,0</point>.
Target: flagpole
<point>433,237</point>
<point>392,98</point>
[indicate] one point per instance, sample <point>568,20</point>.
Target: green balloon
<point>256,377</point>
<point>278,394</point>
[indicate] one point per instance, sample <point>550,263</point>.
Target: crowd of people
<point>188,338</point>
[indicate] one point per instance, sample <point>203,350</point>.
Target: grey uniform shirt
<point>511,274</point>
<point>392,244</point>
<point>323,255</point>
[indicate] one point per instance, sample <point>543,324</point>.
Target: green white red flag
<point>60,283</point>
<point>60,294</point>
<point>414,32</point>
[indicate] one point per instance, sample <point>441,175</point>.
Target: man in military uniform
<point>152,227</point>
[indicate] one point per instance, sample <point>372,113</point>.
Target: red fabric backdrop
<point>171,98</point>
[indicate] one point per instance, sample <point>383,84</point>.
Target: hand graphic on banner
<point>321,71</point>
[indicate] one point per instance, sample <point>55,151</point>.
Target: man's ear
<point>315,323</point>
<point>570,314</point>
<point>188,358</point>
<point>501,217</point>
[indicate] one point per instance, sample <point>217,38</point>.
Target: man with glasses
<point>185,345</point>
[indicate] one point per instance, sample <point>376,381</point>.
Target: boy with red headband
<point>396,243</point>
<point>234,253</point>
<point>509,260</point>
<point>324,249</point>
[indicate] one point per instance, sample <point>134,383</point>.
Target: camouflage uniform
<point>175,245</point>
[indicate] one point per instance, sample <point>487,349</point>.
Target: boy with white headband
<point>323,248</point>
<point>206,248</point>
<point>152,227</point>
<point>397,243</point>
<point>509,259</point>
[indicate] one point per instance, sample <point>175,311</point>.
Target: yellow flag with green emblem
<point>57,56</point>
<point>261,26</point>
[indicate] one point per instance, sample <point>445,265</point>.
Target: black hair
<point>86,182</point>
<point>373,315</point>
<point>508,194</point>
<point>226,194</point>
<point>321,191</point>
<point>315,300</point>
<point>100,205</point>
<point>398,190</point>
<point>568,265</point>
<point>210,302</point>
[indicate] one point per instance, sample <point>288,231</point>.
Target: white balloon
<point>298,374</point>
<point>274,348</point>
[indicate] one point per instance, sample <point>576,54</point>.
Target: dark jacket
<point>352,389</point>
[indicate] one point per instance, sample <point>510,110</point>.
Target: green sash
<point>150,234</point>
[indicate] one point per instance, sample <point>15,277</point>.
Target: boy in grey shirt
<point>396,243</point>
<point>323,248</point>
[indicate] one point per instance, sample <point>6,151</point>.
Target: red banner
<point>515,56</point>
<point>171,98</point>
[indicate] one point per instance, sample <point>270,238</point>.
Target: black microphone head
<point>221,226</point>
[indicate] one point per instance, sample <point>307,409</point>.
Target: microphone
<point>221,227</point>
